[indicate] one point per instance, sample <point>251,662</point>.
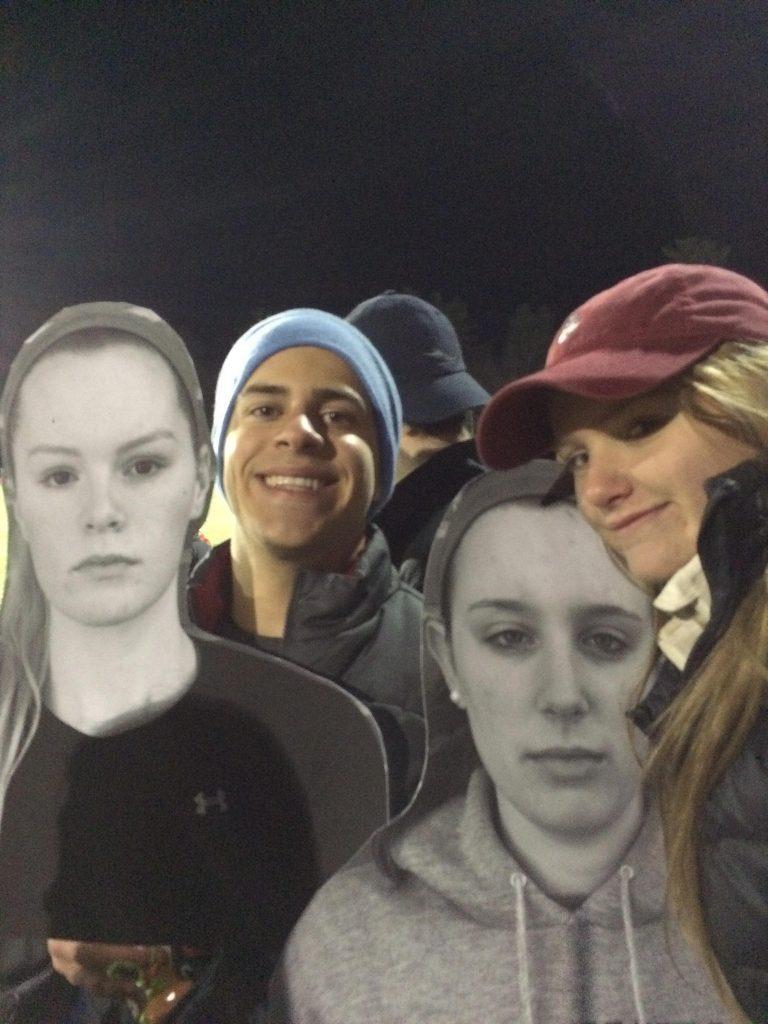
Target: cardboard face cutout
<point>160,787</point>
<point>531,857</point>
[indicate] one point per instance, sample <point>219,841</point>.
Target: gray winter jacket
<point>360,629</point>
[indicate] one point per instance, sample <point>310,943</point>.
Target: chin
<point>655,576</point>
<point>106,613</point>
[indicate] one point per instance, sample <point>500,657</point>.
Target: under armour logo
<point>203,802</point>
<point>567,329</point>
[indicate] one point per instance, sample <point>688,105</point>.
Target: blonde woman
<point>655,398</point>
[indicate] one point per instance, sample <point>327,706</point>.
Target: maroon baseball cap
<point>623,342</point>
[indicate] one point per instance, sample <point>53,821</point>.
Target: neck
<point>569,866</point>
<point>263,582</point>
<point>103,679</point>
<point>407,463</point>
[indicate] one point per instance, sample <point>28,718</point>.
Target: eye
<point>264,411</point>
<point>58,477</point>
<point>573,460</point>
<point>644,426</point>
<point>145,466</point>
<point>514,639</point>
<point>604,644</point>
<point>341,417</point>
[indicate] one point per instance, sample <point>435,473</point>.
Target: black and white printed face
<point>549,643</point>
<point>106,481</point>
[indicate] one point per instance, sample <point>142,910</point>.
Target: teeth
<point>299,483</point>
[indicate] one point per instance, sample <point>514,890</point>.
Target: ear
<point>439,646</point>
<point>203,479</point>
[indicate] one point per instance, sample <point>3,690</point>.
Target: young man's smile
<point>300,458</point>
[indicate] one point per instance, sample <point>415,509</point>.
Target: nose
<point>102,511</point>
<point>561,692</point>
<point>604,480</point>
<point>299,433</point>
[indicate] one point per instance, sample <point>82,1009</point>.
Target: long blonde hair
<point>704,729</point>
<point>24,612</point>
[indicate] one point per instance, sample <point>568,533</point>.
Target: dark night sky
<point>221,161</point>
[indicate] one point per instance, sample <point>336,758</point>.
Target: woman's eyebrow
<point>155,435</point>
<point>593,611</point>
<point>502,604</point>
<point>53,449</point>
<point>73,453</point>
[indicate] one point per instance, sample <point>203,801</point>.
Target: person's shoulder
<point>737,806</point>
<point>344,930</point>
<point>400,614</point>
<point>407,596</point>
<point>397,639</point>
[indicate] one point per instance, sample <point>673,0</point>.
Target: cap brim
<point>515,427</point>
<point>445,396</point>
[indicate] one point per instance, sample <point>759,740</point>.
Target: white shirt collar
<point>685,602</point>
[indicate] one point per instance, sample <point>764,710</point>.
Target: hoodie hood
<point>475,870</point>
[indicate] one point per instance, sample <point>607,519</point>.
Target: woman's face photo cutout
<point>106,478</point>
<point>546,646</point>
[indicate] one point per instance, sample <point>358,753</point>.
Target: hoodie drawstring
<point>517,881</point>
<point>626,873</point>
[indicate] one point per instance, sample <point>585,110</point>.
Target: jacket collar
<point>425,490</point>
<point>733,547</point>
<point>331,615</point>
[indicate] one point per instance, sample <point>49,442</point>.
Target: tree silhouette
<point>697,249</point>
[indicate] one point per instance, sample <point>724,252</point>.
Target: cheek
<point>494,690</point>
<point>235,453</point>
<point>42,523</point>
<point>362,461</point>
<point>51,554</point>
<point>232,452</point>
<point>582,504</point>
<point>695,497</point>
<point>167,514</point>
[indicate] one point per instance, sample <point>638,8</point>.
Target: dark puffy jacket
<point>412,515</point>
<point>360,629</point>
<point>733,546</point>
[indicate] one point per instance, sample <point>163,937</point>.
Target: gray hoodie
<point>434,921</point>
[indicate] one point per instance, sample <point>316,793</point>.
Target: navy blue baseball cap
<point>421,348</point>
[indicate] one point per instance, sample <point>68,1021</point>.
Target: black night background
<point>222,161</point>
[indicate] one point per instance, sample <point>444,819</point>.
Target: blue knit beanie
<point>316,329</point>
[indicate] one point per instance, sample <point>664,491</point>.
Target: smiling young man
<point>306,429</point>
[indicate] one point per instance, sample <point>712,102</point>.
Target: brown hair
<point>704,729</point>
